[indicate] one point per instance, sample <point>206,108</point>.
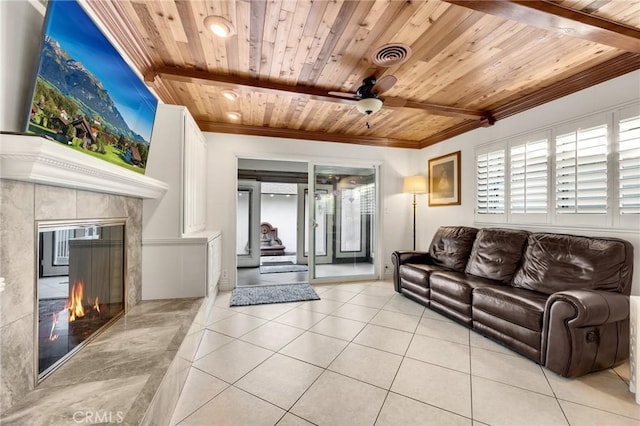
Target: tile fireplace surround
<point>22,204</point>
<point>85,188</point>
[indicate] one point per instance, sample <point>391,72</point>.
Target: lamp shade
<point>369,105</point>
<point>415,185</point>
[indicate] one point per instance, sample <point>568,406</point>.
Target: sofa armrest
<point>592,307</point>
<point>585,330</point>
<point>401,257</point>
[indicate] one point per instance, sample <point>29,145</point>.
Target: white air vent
<point>391,54</point>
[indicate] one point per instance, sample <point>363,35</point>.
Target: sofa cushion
<point>457,285</point>
<point>496,253</point>
<point>519,306</point>
<point>451,246</point>
<point>418,273</point>
<point>556,262</point>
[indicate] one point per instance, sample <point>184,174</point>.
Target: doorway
<point>268,223</point>
<point>345,219</point>
<point>274,245</point>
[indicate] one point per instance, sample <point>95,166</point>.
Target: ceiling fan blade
<point>384,83</point>
<point>393,102</point>
<point>344,95</point>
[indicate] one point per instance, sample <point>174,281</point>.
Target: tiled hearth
<point>115,378</point>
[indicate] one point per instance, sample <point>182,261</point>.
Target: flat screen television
<point>85,95</point>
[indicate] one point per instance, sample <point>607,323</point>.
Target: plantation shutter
<point>490,168</point>
<point>581,171</point>
<point>629,165</point>
<point>528,183</point>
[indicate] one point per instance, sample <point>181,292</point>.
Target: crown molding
<point>239,129</point>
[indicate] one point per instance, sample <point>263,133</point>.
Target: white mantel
<point>35,159</point>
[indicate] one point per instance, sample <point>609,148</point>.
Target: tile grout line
<point>398,369</point>
<point>325,369</point>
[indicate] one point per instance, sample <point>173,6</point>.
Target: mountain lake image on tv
<point>86,96</point>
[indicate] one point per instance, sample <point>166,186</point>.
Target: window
<point>529,177</point>
<point>490,182</point>
<point>629,166</point>
<point>581,171</point>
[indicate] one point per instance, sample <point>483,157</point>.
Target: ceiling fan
<point>368,101</point>
<point>367,94</point>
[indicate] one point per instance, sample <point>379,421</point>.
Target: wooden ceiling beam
<point>238,83</point>
<point>555,17</point>
<point>240,129</point>
<point>448,111</point>
<point>309,92</point>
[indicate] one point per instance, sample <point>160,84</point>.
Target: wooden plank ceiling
<point>471,62</point>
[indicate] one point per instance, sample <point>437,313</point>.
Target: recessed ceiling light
<point>230,94</point>
<point>219,26</point>
<point>234,115</point>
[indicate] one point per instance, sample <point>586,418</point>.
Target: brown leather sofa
<point>560,300</point>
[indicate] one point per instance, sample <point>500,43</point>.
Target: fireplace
<point>80,286</point>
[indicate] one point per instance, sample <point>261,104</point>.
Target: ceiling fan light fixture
<point>234,115</point>
<point>230,94</point>
<point>219,26</point>
<point>369,105</point>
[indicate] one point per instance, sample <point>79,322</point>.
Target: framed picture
<point>444,180</point>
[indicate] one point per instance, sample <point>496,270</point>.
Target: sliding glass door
<point>344,224</point>
<point>323,224</point>
<point>248,224</point>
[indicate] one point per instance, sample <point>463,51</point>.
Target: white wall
<point>20,30</point>
<point>282,213</point>
<point>597,98</point>
<point>224,149</point>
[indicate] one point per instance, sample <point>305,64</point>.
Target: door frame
<point>252,260</point>
<point>331,161</point>
<point>377,270</point>
<point>302,257</point>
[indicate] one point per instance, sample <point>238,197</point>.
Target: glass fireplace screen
<point>80,286</point>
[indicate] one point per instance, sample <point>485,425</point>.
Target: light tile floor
<point>366,355</point>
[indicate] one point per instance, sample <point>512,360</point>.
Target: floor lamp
<point>414,185</point>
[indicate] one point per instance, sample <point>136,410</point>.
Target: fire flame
<point>53,336</point>
<point>74,305</point>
